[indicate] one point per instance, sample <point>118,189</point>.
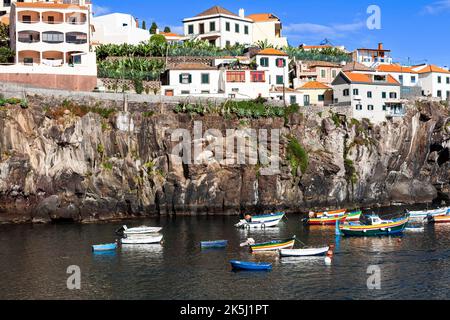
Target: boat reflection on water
<point>110,253</point>
<point>142,249</point>
<point>269,232</point>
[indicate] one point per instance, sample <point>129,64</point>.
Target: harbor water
<point>34,260</point>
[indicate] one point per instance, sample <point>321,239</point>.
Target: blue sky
<point>417,30</point>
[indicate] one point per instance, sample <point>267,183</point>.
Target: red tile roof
<point>314,85</point>
<point>368,78</point>
<point>262,17</point>
<point>395,68</point>
<point>216,10</point>
<point>431,68</point>
<point>272,52</point>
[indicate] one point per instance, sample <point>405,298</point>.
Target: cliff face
<point>61,162</point>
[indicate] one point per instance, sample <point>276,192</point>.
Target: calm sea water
<point>34,261</point>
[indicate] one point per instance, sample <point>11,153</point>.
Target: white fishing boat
<point>141,239</point>
<point>261,222</point>
<point>140,230</point>
<point>422,215</point>
<point>306,252</point>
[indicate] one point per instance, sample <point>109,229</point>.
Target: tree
<point>153,28</point>
<point>167,29</point>
<point>4,34</point>
<point>144,26</point>
<point>6,55</point>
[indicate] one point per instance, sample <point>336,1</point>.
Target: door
<point>306,100</point>
<point>202,28</point>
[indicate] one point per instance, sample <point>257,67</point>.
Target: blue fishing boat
<point>104,247</point>
<point>214,244</point>
<point>252,266</point>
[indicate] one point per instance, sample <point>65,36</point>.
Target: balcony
<point>29,36</point>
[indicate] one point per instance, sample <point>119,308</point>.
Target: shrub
<point>297,156</point>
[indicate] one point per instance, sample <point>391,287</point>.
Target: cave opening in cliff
<point>444,156</point>
<point>61,220</point>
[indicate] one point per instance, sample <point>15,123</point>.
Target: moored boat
<point>140,230</point>
<point>332,213</point>
<point>440,219</point>
<point>141,239</point>
<point>374,226</point>
<point>273,245</point>
<point>104,247</point>
<point>214,244</point>
<point>305,252</point>
<point>252,266</point>
<point>261,221</point>
<point>332,219</point>
<point>424,214</point>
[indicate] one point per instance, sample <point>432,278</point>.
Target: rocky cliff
<point>65,161</point>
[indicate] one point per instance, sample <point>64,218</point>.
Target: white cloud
<point>437,7</point>
<point>99,10</point>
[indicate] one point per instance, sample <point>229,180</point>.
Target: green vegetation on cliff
<point>297,156</point>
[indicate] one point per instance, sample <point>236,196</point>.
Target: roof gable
<point>216,10</point>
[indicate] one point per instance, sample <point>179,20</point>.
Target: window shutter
<point>190,78</point>
<point>181,78</point>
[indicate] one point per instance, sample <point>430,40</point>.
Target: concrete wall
<point>52,81</point>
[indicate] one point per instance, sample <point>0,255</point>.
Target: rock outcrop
<point>59,161</point>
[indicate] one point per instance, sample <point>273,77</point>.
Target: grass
<point>297,156</point>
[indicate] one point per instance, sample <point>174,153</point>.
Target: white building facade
<point>372,57</point>
<point>118,28</point>
<point>276,64</point>
<point>372,96</point>
<point>267,27</point>
<point>435,81</point>
<point>51,40</point>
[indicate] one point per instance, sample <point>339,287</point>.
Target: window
<point>236,28</point>
<point>359,107</point>
<point>280,80</point>
<point>448,80</point>
<point>191,29</point>
<point>185,92</point>
<point>201,28</point>
<point>257,76</point>
<point>205,92</point>
<point>333,73</point>
<point>439,79</point>
<point>235,89</point>
<point>321,97</point>
<point>383,95</point>
<point>228,43</point>
<point>293,99</point>
<point>355,92</point>
<point>264,62</point>
<point>370,107</point>
<point>212,26</point>
<point>76,37</point>
<point>393,95</point>
<point>205,78</point>
<point>26,19</point>
<point>323,73</point>
<point>384,108</point>
<point>124,24</point>
<point>413,79</point>
<point>439,93</point>
<point>281,63</point>
<point>369,94</point>
<point>400,79</point>
<point>346,92</point>
<point>235,76</point>
<point>227,26</point>
<point>28,60</point>
<point>448,95</point>
<point>51,20</point>
<point>185,78</point>
<point>246,29</point>
<point>53,37</point>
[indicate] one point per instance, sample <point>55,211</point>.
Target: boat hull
<point>353,216</point>
<point>304,252</point>
<point>273,245</point>
<point>104,247</point>
<point>142,230</point>
<point>214,244</point>
<point>441,219</point>
<point>392,228</point>
<point>141,240</point>
<point>250,266</point>
<point>423,215</point>
<point>261,222</point>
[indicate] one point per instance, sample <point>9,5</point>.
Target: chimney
<point>242,13</point>
<point>380,46</point>
<point>137,22</point>
<point>157,31</point>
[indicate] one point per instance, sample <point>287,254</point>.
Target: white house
<point>118,28</point>
<point>371,96</point>
<point>267,27</point>
<point>191,79</point>
<point>220,27</point>
<point>276,64</point>
<point>51,41</point>
<point>372,57</point>
<point>435,81</point>
<point>408,78</point>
